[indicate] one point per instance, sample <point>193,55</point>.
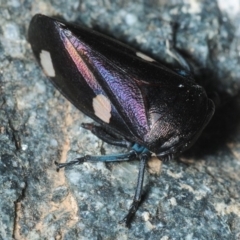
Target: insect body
<point>138,103</point>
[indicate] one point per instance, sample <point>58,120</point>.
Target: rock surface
<point>194,197</point>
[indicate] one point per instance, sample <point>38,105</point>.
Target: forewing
<point>74,68</point>
<point>108,81</point>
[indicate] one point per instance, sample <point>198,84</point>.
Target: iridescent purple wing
<point>73,68</point>
<point>117,86</point>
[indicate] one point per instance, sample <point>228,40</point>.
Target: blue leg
<point>132,155</point>
<point>106,158</point>
<point>137,152</point>
<point>144,157</point>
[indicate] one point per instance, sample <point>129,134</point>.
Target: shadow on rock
<point>223,128</point>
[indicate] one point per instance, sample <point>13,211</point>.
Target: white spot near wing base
<point>46,63</point>
<point>145,57</point>
<point>102,108</point>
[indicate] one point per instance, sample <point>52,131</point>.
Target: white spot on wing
<point>102,108</point>
<point>46,62</point>
<point>145,57</point>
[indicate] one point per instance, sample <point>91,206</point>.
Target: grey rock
<point>193,197</point>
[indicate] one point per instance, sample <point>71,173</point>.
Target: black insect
<point>139,103</point>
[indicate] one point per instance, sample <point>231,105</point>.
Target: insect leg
<point>106,158</point>
<point>138,193</point>
<point>106,135</point>
<point>177,56</point>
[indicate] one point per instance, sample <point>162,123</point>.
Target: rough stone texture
<point>194,197</point>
